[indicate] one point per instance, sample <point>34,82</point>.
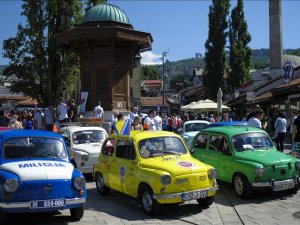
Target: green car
<point>247,158</point>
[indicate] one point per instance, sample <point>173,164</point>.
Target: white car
<point>84,144</point>
<point>191,128</point>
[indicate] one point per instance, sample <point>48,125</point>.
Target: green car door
<point>214,149</point>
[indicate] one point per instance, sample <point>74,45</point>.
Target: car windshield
<point>195,127</point>
<point>87,136</point>
<point>251,141</point>
<point>159,146</point>
<point>33,147</point>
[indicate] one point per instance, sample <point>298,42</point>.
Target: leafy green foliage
<point>215,47</point>
<point>45,70</point>
<point>240,53</point>
<point>149,73</point>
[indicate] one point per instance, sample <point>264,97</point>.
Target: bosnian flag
<point>122,127</point>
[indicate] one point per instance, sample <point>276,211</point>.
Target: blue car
<point>36,175</point>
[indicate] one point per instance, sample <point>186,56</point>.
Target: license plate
<point>48,203</point>
<point>194,195</point>
<point>283,187</point>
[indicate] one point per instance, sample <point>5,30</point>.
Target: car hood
<point>89,148</point>
<point>175,165</point>
<point>190,134</point>
<point>40,169</point>
<point>265,157</point>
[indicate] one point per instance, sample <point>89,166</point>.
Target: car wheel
<point>3,216</point>
<point>150,205</point>
<point>295,189</point>
<point>242,186</point>
<point>206,202</point>
<point>102,189</point>
<point>77,213</point>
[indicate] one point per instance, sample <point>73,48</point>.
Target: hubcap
<point>238,185</point>
<point>147,201</point>
<point>100,183</point>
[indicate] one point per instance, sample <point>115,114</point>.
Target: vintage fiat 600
<point>36,175</point>
<point>247,158</point>
<point>155,168</point>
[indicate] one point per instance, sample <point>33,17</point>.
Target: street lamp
<point>164,54</point>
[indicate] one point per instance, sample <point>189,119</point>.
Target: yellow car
<point>155,168</point>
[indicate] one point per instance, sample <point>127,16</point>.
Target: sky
<point>178,27</point>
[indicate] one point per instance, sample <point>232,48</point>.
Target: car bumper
<point>278,185</point>
<point>27,205</point>
<point>181,194</point>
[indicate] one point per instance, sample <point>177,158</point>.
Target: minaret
<point>275,24</point>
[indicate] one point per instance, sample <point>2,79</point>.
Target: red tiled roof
<point>151,82</point>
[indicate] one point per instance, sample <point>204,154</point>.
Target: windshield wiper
<point>172,152</point>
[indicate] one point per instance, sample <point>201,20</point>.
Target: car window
<point>125,149</point>
<point>87,136</point>
<point>219,143</point>
<point>251,141</point>
<point>195,127</point>
<point>34,147</point>
<point>151,147</point>
<point>201,141</point>
<point>108,147</point>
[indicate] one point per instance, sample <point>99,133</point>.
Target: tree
<point>215,47</point>
<point>148,73</point>
<point>240,53</point>
<point>92,3</point>
<point>44,70</point>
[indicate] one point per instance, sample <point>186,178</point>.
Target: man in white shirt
<point>255,121</point>
<point>62,110</point>
<point>49,118</point>
<point>38,119</point>
<point>158,121</point>
<point>149,123</point>
<point>133,114</point>
<point>98,111</point>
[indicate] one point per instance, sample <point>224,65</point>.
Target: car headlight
<point>84,157</point>
<point>213,173</point>
<point>260,171</point>
<point>79,183</point>
<point>165,180</point>
<point>11,185</point>
<point>298,165</point>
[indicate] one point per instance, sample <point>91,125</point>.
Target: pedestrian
<point>120,118</point>
<point>15,123</point>
<point>158,121</point>
<point>28,122</point>
<point>280,126</point>
<point>72,113</point>
<point>253,111</point>
<point>49,118</point>
<point>149,123</point>
<point>137,124</point>
<point>255,120</point>
<point>62,110</point>
<point>98,111</point>
<point>296,128</point>
<point>133,114</point>
<point>38,119</point>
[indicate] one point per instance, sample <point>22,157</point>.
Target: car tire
<point>77,213</point>
<point>102,189</point>
<point>242,186</point>
<point>206,202</point>
<point>295,189</point>
<point>149,204</point>
<point>3,216</point>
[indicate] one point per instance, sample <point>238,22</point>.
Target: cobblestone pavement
<point>118,209</point>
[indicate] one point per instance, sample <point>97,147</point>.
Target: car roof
<point>28,133</point>
<point>79,128</point>
<point>233,130</point>
<point>138,135</point>
<point>232,123</point>
<point>196,121</point>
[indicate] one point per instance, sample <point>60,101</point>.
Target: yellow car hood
<point>175,165</point>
